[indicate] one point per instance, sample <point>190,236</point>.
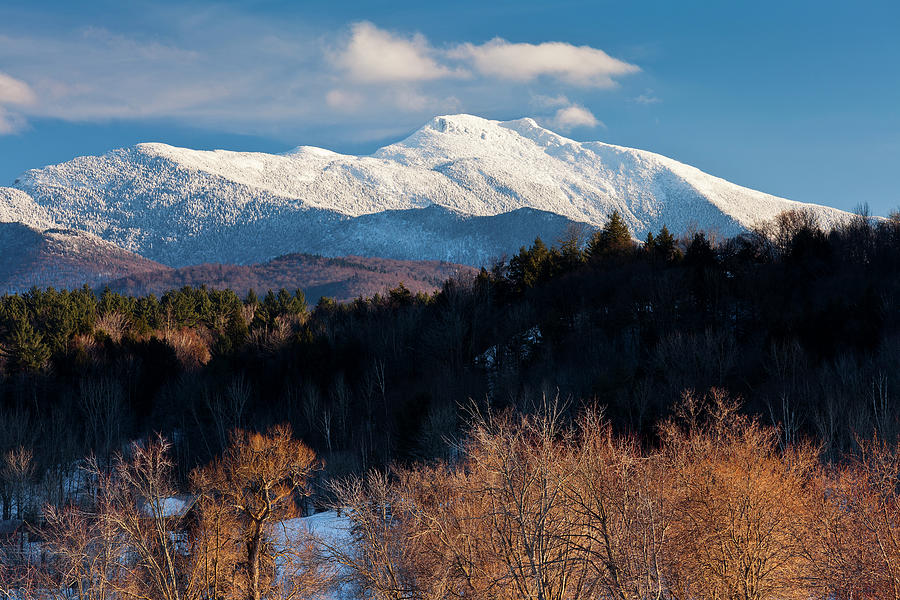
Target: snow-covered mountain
<point>461,188</point>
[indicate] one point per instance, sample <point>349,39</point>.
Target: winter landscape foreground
<point>530,508</point>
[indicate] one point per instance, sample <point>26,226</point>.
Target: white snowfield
<point>461,188</point>
<point>17,207</point>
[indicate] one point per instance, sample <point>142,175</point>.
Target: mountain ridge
<point>180,206</point>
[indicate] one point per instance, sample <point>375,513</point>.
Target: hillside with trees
<point>340,278</point>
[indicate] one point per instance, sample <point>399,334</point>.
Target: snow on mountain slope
<point>182,206</point>
<point>18,207</point>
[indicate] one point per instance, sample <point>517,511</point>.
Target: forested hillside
<point>343,278</point>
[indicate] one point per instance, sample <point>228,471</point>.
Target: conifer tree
<point>252,299</point>
<point>700,251</point>
<point>529,266</point>
<point>613,239</point>
<point>29,351</point>
<point>650,243</point>
<point>664,245</point>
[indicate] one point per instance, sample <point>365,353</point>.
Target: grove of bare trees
<point>135,535</point>
<point>534,506</point>
<point>718,509</point>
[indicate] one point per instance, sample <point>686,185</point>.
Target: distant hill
<point>343,278</point>
<point>69,259</point>
<point>62,258</point>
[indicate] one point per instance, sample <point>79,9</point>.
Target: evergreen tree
<point>650,243</point>
<point>400,296</point>
<point>700,251</point>
<point>29,353</point>
<point>613,239</point>
<point>664,246</point>
<point>529,266</point>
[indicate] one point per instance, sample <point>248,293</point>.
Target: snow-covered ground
<point>328,527</point>
<point>438,194</point>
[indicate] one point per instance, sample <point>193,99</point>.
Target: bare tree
<point>102,402</point>
<point>137,502</point>
<point>86,554</point>
<point>859,526</point>
<point>522,468</point>
<point>17,470</point>
<point>259,478</point>
<point>380,559</point>
<point>621,497</point>
<point>739,506</point>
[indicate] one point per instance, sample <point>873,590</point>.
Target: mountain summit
<point>461,188</point>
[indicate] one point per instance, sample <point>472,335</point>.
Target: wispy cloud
<point>648,98</point>
<point>10,122</point>
<point>541,101</point>
<point>16,93</point>
<point>233,74</point>
<point>576,65</point>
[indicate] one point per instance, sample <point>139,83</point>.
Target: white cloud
<point>373,55</point>
<point>14,91</point>
<point>235,73</point>
<point>576,65</point>
<point>571,117</point>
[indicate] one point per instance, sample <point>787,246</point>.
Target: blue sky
<point>799,99</point>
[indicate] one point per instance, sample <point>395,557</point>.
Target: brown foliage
<point>254,486</point>
<point>738,507</point>
<point>541,511</point>
<point>343,279</point>
<point>191,346</point>
<point>533,507</point>
<point>138,515</point>
<point>858,526</point>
